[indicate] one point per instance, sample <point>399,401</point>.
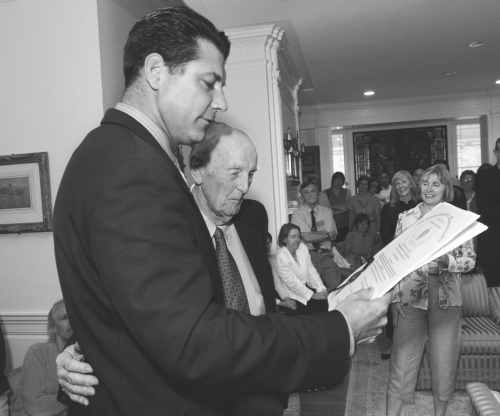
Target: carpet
<point>368,383</point>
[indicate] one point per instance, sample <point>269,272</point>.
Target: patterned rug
<point>368,383</point>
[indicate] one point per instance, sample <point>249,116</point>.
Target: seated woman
<point>359,244</point>
<point>428,302</point>
<point>285,303</point>
<point>301,282</point>
<point>39,381</point>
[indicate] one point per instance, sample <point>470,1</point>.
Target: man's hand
<point>320,295</point>
<point>366,317</point>
<point>73,375</point>
<point>288,303</point>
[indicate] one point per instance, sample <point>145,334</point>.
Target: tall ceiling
<point>396,48</point>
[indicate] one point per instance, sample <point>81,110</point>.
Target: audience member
<point>374,187</point>
<point>417,175</point>
<point>4,383</point>
<point>39,389</point>
<point>457,190</point>
<point>428,300</point>
<point>285,302</point>
<point>358,246</point>
<point>403,197</point>
<point>484,166</point>
<point>338,197</point>
<point>365,203</point>
<point>488,203</point>
<point>468,198</point>
<point>301,281</point>
<point>317,230</point>
<point>322,198</point>
<point>385,187</point>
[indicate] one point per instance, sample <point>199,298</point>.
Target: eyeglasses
<point>467,180</point>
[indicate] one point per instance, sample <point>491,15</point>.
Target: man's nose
<point>219,102</point>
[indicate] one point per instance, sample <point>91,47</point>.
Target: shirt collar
<point>159,135</point>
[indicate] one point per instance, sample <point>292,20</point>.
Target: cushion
<point>494,294</point>
<point>480,335</point>
<point>475,300</point>
<point>482,399</point>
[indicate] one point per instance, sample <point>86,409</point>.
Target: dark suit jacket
<point>142,288</point>
<point>488,203</point>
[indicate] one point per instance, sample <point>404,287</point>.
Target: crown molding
<point>140,8</point>
<point>478,95</point>
<point>24,324</point>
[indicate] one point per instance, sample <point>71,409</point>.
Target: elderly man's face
<point>227,177</point>
<point>188,100</point>
<point>310,195</point>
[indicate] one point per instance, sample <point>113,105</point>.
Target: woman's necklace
<point>363,201</point>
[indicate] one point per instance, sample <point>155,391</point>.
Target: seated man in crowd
<point>317,230</point>
<point>219,193</point>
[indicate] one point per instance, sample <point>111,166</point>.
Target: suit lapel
<point>119,117</point>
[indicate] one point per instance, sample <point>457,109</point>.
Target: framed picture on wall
<point>398,149</point>
<point>25,199</point>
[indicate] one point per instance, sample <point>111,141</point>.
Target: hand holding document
<point>436,233</point>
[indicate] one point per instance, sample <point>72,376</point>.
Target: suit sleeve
<point>488,195</point>
<point>144,244</point>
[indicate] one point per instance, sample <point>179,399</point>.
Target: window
<point>338,152</point>
<point>468,147</point>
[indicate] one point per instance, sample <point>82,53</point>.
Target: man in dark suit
<point>138,268</point>
<point>488,202</point>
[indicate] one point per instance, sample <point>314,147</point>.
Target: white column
<point>254,102</point>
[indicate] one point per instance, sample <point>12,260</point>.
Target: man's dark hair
<point>201,152</point>
<point>285,230</point>
<point>173,33</point>
<point>305,184</point>
<point>386,172</point>
<point>468,172</point>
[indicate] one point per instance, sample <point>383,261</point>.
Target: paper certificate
<point>436,233</point>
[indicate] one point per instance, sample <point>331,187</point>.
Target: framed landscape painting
<point>25,200</point>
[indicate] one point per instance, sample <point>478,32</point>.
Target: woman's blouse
<point>389,218</point>
<point>341,217</point>
<point>369,205</point>
<point>39,383</point>
<point>413,289</point>
<point>296,274</point>
<point>356,244</point>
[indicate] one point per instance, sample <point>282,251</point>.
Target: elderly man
<point>163,317</point>
<point>317,230</point>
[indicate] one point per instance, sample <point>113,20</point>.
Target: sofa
<point>480,345</point>
<point>482,399</point>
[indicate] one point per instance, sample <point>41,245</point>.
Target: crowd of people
<point>173,292</point>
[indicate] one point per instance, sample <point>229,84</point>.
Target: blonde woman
<point>428,300</point>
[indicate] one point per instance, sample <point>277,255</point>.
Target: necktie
<point>235,296</point>
<point>314,228</point>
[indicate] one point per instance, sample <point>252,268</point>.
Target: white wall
<point>115,23</point>
<point>409,112</point>
<point>51,97</point>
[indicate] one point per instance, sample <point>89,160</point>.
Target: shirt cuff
<point>352,346</point>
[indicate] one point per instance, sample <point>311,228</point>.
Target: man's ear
<point>197,175</point>
<point>154,70</point>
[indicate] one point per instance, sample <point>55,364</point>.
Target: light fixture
<point>497,81</point>
<point>369,93</point>
<point>450,73</point>
<point>476,44</point>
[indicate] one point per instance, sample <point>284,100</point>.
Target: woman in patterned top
<point>428,299</point>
